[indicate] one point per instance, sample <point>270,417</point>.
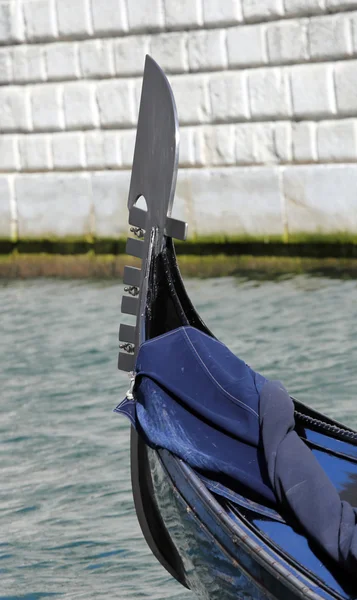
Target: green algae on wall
<point>325,245</point>
<point>205,256</point>
<point>24,266</point>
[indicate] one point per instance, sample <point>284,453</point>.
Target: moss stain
<point>24,266</point>
<point>208,256</point>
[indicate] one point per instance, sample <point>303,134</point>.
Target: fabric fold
<point>196,399</point>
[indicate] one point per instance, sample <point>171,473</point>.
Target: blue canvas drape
<point>196,399</point>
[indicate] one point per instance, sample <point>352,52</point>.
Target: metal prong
<point>129,305</point>
<point>127,333</point>
<point>176,229</point>
<point>126,362</point>
<point>137,217</point>
<point>134,247</point>
<point>132,276</point>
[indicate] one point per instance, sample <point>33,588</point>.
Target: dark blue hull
<point>221,556</point>
<point>211,569</point>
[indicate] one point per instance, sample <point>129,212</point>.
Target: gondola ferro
<point>240,490</point>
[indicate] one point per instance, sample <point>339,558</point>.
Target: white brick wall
<point>265,91</point>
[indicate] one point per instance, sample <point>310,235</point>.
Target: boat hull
<point>189,532</point>
<point>218,562</point>
<point>210,570</point>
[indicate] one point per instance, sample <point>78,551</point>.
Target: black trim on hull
<point>149,517</point>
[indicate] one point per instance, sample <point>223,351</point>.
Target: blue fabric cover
<point>301,483</point>
<point>199,401</point>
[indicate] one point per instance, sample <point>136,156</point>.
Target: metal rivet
<point>133,290</point>
<point>137,231</point>
<point>127,347</point>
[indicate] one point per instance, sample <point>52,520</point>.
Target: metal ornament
<point>153,177</point>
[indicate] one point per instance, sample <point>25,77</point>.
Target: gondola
<point>215,528</point>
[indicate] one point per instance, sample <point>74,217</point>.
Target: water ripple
<point>66,512</point>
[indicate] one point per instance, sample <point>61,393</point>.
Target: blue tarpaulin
<point>196,399</point>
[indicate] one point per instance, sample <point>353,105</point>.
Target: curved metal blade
<point>153,176</point>
<point>155,162</point>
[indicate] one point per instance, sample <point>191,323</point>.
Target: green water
<point>67,522</point>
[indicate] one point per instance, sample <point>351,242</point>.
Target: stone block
<point>9,154</point>
<point>127,144</point>
<point>337,140</point>
<point>40,20</point>
<point>219,144</point>
<point>256,144</point>
<point>14,113</point>
<point>353,22</point>
<point>207,50</point>
<point>110,196</point>
<point>68,151</point>
<point>321,198</point>
<point>222,13</point>
<point>264,144</point>
<point>312,90</point>
<point>53,205</point>
<point>193,147</point>
<point>102,150</point>
<point>256,10</point>
<point>109,17</point>
<point>46,102</point>
<point>199,147</point>
<point>11,22</point>
<point>145,16</point>
<point>187,149</point>
<point>96,58</point>
<point>287,41</point>
<point>112,152</point>
<point>116,103</point>
<point>181,14</point>
<point>35,152</point>
<point>129,54</point>
<point>236,201</point>
<point>136,85</point>
<point>80,107</point>
<point>304,142</point>
<point>5,65</point>
<point>5,209</point>
<point>303,7</point>
<point>283,141</point>
<point>62,61</point>
<point>28,64</point>
<point>341,4</point>
<point>229,96</point>
<point>269,93</point>
<point>245,45</point>
<point>346,87</point>
<point>192,99</point>
<point>94,150</point>
<point>329,37</point>
<point>74,22</point>
<point>182,208</point>
<point>244,144</point>
<point>170,51</point>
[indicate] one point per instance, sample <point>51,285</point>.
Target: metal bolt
<point>127,347</point>
<point>137,231</point>
<point>132,290</point>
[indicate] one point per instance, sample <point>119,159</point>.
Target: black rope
<point>340,432</point>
